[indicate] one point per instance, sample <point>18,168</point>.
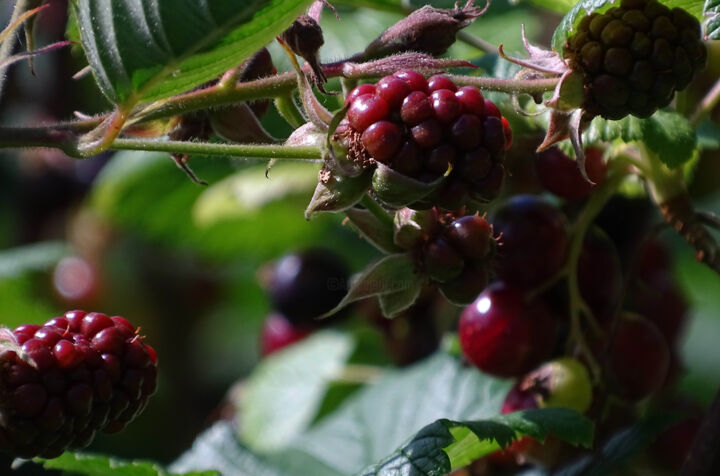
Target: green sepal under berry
<point>376,232</point>
<point>336,192</point>
<point>398,190</point>
<point>392,274</point>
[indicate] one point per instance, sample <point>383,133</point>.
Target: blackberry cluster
<point>421,128</point>
<point>635,56</point>
<point>454,252</point>
<point>64,381</point>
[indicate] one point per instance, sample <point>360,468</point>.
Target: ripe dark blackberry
<point>62,382</point>
<point>505,335</point>
<point>423,128</point>
<point>635,56</point>
<point>307,284</point>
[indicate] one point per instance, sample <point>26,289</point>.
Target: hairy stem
<point>264,151</point>
<point>7,46</point>
<point>509,86</point>
<point>707,104</point>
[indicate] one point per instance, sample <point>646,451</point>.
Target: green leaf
<point>666,133</point>
<point>711,10</point>
<point>621,447</point>
<point>249,190</point>
<point>560,6</point>
<point>376,418</point>
<point>146,194</point>
<point>286,390</point>
<point>391,274</point>
<point>152,49</point>
<point>392,304</point>
<point>445,444</point>
<point>583,8</point>
<point>20,303</point>
<point>98,465</point>
<point>34,257</point>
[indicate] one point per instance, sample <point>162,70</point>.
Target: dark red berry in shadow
<point>600,274</point>
<point>427,134</point>
<point>560,175</point>
<point>638,359</point>
<point>467,132</point>
<point>441,262</point>
<point>532,240</point>
<point>503,334</point>
<point>472,236</point>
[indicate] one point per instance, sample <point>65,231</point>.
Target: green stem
<point>376,209</point>
<point>707,104</point>
<point>476,42</point>
<point>577,305</point>
<point>286,107</point>
<point>265,151</point>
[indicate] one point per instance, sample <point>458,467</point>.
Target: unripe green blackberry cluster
<point>635,56</point>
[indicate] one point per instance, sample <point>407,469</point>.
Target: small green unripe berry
<point>563,382</point>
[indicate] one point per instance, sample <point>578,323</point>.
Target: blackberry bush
<point>501,297</point>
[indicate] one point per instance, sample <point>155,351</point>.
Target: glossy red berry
<point>366,110</point>
<point>505,335</point>
<point>382,140</point>
<point>440,81</point>
<point>532,240</point>
<point>472,236</point>
<point>79,374</point>
<point>278,333</point>
<point>471,100</point>
<point>359,91</point>
<point>415,80</point>
<point>445,105</point>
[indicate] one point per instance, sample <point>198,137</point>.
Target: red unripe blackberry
<point>441,127</point>
<point>74,376</point>
<point>472,236</point>
<point>639,358</point>
<point>440,81</point>
<point>393,90</point>
<point>505,335</point>
<point>445,105</point>
<point>359,91</point>
<point>533,240</point>
<point>660,299</point>
<point>278,333</point>
<point>366,110</point>
<point>441,261</point>
<point>382,140</point>
<point>415,80</point>
<point>464,289</point>
<point>471,100</point>
<point>560,174</point>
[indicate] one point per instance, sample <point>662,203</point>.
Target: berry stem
<point>6,48</point>
<point>578,306</point>
<point>707,104</point>
<point>265,151</point>
<point>509,86</point>
<point>376,209</point>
